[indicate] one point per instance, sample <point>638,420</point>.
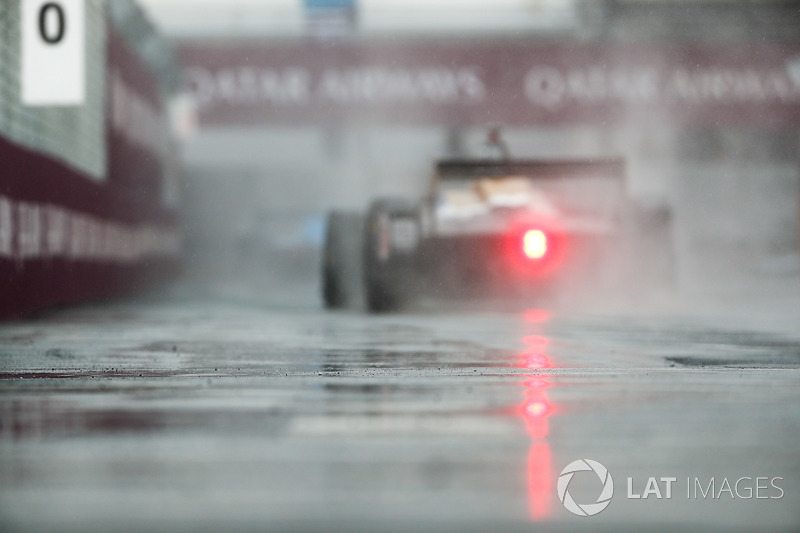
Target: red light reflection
<point>535,316</point>
<point>535,411</point>
<point>540,487</point>
<point>537,408</point>
<point>534,360</point>
<point>537,341</point>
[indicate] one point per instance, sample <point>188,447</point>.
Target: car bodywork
<point>484,227</point>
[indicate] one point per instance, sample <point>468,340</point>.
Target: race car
<point>485,227</point>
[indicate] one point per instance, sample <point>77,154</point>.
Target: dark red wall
<point>128,198</point>
<point>131,165</point>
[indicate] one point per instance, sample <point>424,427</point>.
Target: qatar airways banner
<point>475,83</point>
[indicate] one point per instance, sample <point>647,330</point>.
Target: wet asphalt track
<point>212,412</point>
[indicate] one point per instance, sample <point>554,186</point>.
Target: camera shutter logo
<point>586,509</point>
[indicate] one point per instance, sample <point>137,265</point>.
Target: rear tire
<point>340,261</point>
<point>384,268</point>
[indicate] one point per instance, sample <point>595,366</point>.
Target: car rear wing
<point>591,190</point>
<point>613,168</point>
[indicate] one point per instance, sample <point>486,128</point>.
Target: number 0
<point>60,28</point>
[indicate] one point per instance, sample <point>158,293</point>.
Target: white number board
<point>53,52</point>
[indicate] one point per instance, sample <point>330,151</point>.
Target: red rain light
<point>534,244</point>
<point>535,248</point>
